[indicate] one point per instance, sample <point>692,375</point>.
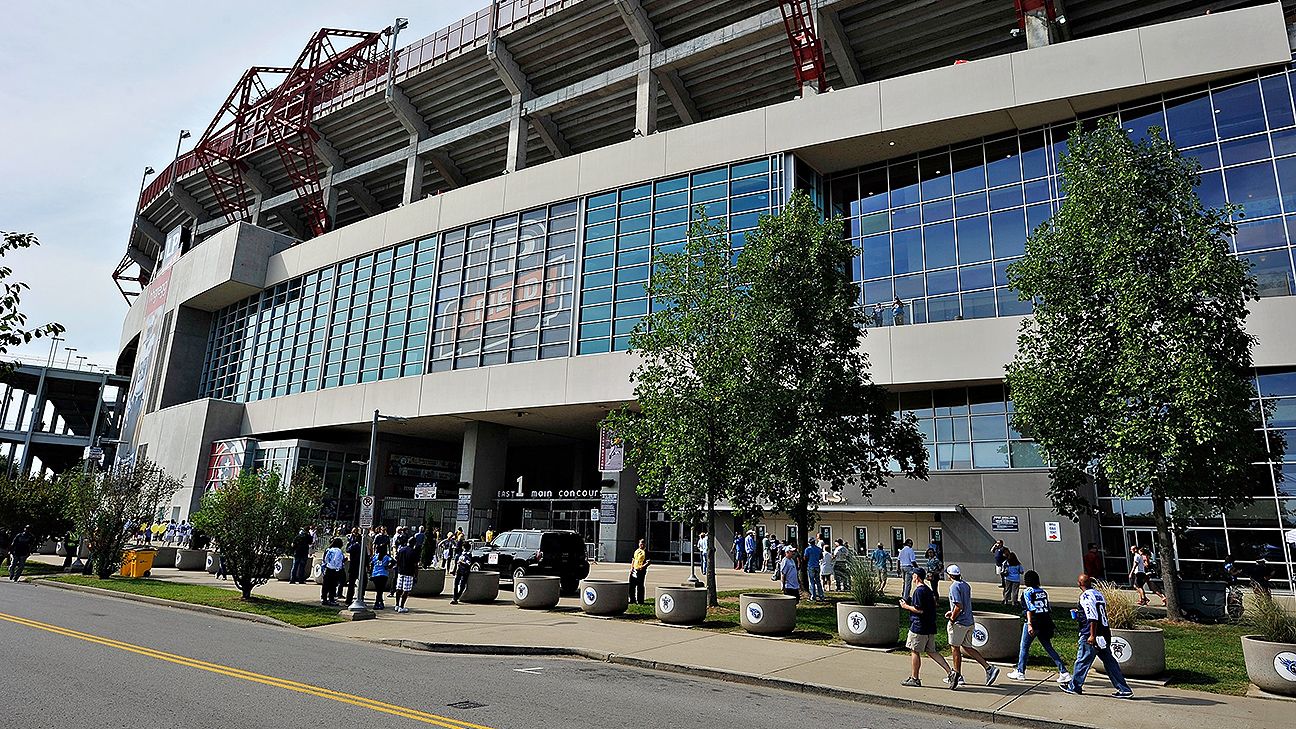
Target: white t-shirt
<point>907,557</point>
<point>702,544</point>
<point>1140,564</point>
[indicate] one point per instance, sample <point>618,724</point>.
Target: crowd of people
<point>165,533</point>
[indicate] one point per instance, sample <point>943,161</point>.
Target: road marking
<point>533,671</point>
<point>283,683</point>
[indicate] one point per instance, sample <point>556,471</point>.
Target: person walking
<point>789,574</point>
<point>70,546</point>
<point>301,557</point>
<point>19,550</point>
<point>1012,578</point>
<point>1093,561</point>
<point>381,541</point>
<point>999,552</point>
<point>897,317</point>
<point>1152,573</point>
<point>934,568</point>
<point>406,571</point>
<point>841,562</point>
<point>908,561</point>
<point>1095,642</point>
<point>826,567</point>
<point>1039,626</point>
<point>922,630</point>
<point>813,556</point>
<point>638,571</point>
<point>702,551</point>
<point>961,624</point>
<point>749,548</point>
<point>739,555</point>
<point>880,561</point>
<point>381,566</point>
<point>463,567</point>
<point>334,558</point>
<point>1138,574</point>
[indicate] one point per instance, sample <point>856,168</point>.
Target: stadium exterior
<point>492,207</point>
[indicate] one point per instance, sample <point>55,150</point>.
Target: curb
<point>222,612</point>
<point>996,716</point>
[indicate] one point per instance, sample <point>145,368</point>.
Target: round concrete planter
<point>537,592</point>
<point>481,587</point>
<point>283,569</point>
<point>997,636</point>
<point>430,583</point>
<point>1270,666</point>
<point>213,562</point>
<point>1139,651</point>
<point>872,625</point>
<point>604,597</point>
<point>681,605</point>
<point>49,546</point>
<point>60,549</point>
<point>165,557</point>
<point>767,614</point>
<point>190,559</point>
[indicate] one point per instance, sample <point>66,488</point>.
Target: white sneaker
<point>1064,678</point>
<point>1017,676</point>
<point>962,681</point>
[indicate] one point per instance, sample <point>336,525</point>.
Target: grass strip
<point>302,616</point>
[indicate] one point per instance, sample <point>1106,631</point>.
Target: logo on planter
<point>980,636</point>
<point>278,567</point>
<point>755,612</point>
<point>521,590</point>
<point>666,603</point>
<point>1285,665</point>
<point>856,622</point>
<point>1121,649</point>
<point>590,596</point>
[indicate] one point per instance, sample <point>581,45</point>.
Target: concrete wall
<point>179,440</point>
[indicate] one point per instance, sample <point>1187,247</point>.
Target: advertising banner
<point>611,452</point>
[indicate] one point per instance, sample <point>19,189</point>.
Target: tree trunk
<point>1169,567</point>
<point>713,599</point>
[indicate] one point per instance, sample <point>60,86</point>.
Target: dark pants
<point>792,592</point>
<point>331,578</point>
<point>351,584</point>
<point>71,555</point>
<point>298,574</point>
<point>379,582</point>
<point>16,564</point>
<point>460,582</point>
<point>637,585</point>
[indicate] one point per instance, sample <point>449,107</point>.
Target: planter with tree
<point>102,503</point>
<point>1270,652</point>
<point>865,619</point>
<point>1139,649</point>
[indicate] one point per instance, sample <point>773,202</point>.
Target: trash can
<point>137,562</point>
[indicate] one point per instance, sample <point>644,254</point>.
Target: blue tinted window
<point>1009,232</point>
<point>904,217</point>
<point>1006,197</point>
<point>1191,121</point>
<point>976,277</point>
<point>969,169</point>
<point>1238,111</point>
<point>1003,163</point>
<point>942,282</point>
<point>909,287</point>
<point>979,304</point>
<point>904,183</point>
<point>970,204</point>
<point>906,247</point>
<point>938,241</point>
<point>934,212</point>
<point>1257,235</point>
<point>936,181</point>
<point>1277,101</point>
<point>1207,156</point>
<point>1253,186</point>
<point>974,239</point>
<point>1247,149</point>
<point>877,256</point>
<point>1287,182</point>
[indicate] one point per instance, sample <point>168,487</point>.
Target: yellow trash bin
<point>137,562</point>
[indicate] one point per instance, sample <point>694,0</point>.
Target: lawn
<point>1200,657</point>
<point>302,616</point>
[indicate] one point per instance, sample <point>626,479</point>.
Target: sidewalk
<point>860,674</point>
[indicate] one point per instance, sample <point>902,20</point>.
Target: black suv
<point>524,552</point>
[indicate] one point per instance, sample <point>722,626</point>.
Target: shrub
<point>866,586</point>
<point>1270,619</point>
<point>1122,610</point>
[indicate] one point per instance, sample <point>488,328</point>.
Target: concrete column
<point>482,468</point>
<point>646,97</point>
<point>617,542</point>
<point>1038,29</point>
<point>413,190</point>
<point>331,201</point>
<point>519,128</point>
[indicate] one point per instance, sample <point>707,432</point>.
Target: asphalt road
<point>76,660</point>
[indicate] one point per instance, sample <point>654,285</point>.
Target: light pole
<point>135,218</point>
<point>358,605</point>
<point>89,467</point>
<point>693,581</point>
<point>53,349</point>
<point>81,358</point>
<point>67,363</point>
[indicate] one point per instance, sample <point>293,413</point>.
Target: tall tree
<point>254,516</point>
<point>14,331</point>
<point>36,501</point>
<point>103,503</point>
<point>686,433</point>
<point>1134,374</point>
<point>824,425</point>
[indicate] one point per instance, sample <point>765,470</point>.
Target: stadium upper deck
<point>522,82</point>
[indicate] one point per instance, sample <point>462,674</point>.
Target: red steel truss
<point>807,48</point>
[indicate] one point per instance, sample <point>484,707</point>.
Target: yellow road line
<point>303,688</point>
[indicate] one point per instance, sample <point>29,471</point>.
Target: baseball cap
<point>954,570</point>
<point>790,549</point>
<point>921,573</point>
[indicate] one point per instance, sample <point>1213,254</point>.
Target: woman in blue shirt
<point>1012,578</point>
<point>1038,625</point>
<point>382,566</point>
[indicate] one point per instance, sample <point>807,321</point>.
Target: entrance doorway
<point>668,540</point>
<point>1139,538</point>
<point>861,540</point>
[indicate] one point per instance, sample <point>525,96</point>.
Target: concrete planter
<point>283,569</point>
<point>997,636</point>
<point>681,605</point>
<point>60,549</point>
<point>1270,666</point>
<point>165,557</point>
<point>190,559</point>
<point>430,583</point>
<point>604,597</point>
<point>49,546</point>
<point>482,587</point>
<point>767,614</point>
<point>537,592</point>
<point>1139,651</point>
<point>872,625</point>
<point>213,562</point>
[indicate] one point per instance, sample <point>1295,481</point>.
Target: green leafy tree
<point>687,436</point>
<point>102,503</point>
<point>1134,373</point>
<point>254,516</point>
<point>823,425</point>
<point>14,331</point>
<point>39,502</point>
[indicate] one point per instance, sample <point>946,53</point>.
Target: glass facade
<point>938,229</point>
<point>968,427</point>
<point>336,468</point>
<point>623,226</point>
<point>504,290</point>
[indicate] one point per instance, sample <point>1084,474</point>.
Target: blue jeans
<point>299,569</point>
<point>907,576</point>
<point>1048,648</point>
<point>705,571</point>
<point>1085,658</point>
<point>814,585</point>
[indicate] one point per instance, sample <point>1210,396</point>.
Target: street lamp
<point>53,349</point>
<point>693,580</point>
<point>67,363</point>
<point>81,358</point>
<point>358,605</point>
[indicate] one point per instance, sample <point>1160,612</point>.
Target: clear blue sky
<point>94,91</point>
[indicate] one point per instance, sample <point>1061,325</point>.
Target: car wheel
<point>519,573</point>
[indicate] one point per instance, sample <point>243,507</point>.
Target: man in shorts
<point>961,626</point>
<point>922,629</point>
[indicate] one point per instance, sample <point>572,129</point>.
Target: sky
<point>92,92</point>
